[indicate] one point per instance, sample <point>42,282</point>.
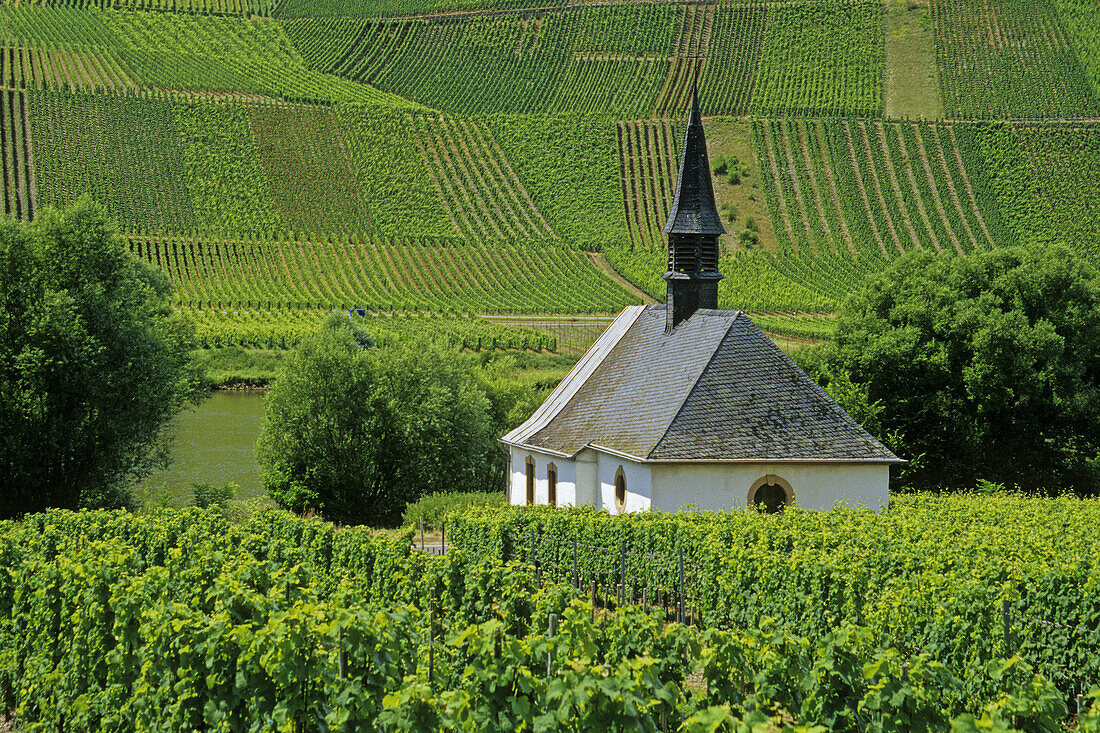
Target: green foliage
<point>732,68</point>
<point>813,571</point>
<point>634,61</point>
<point>887,201</point>
<point>570,165</point>
<point>125,151</point>
<point>1031,69</point>
<point>159,50</point>
<point>216,7</point>
<point>755,280</point>
<point>282,331</point>
<point>352,9</point>
<point>183,620</point>
<point>815,326</point>
<point>434,508</point>
<point>313,184</point>
<point>281,277</point>
<point>1081,19</point>
<point>1066,165</point>
<point>208,495</point>
<point>985,365</point>
<point>226,180</point>
<point>1013,181</point>
<point>731,168</point>
<point>93,364</point>
<point>398,194</point>
<point>821,58</point>
<point>356,432</point>
<point>606,59</point>
<point>514,392</point>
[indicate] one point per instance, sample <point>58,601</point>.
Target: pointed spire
<point>696,116</point>
<point>693,210</point>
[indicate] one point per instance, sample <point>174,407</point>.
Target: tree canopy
<point>354,431</point>
<point>985,367</point>
<point>93,363</point>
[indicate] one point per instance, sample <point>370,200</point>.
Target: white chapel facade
<point>685,405</point>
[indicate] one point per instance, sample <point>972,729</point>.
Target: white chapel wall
<point>717,487</point>
<point>639,483</point>
<point>567,478</point>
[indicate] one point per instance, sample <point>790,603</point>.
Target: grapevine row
<point>285,330</point>
<point>806,57</point>
<point>379,276</point>
<point>1010,58</point>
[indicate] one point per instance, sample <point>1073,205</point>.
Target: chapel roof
<point>715,389</point>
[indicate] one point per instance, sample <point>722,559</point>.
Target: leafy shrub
<point>355,433</point>
<point>207,495</point>
<point>435,508</point>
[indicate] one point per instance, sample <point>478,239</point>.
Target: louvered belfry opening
<point>693,229</point>
<point>691,253</point>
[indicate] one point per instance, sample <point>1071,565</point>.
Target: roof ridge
<point>737,316</point>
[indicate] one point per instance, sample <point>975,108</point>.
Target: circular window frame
<point>770,480</point>
<point>620,480</point>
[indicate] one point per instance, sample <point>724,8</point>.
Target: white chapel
<point>683,404</point>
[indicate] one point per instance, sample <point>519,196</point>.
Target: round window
<point>770,495</point>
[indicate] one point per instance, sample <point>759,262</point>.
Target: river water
<point>214,443</point>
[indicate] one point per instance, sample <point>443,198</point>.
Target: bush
<point>354,431</point>
<point>988,366</point>
<point>208,495</point>
<point>93,363</point>
<point>435,508</point>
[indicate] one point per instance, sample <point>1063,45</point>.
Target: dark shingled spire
<point>693,230</point>
<point>693,210</point>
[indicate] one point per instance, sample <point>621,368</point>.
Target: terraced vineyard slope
<point>462,155</point>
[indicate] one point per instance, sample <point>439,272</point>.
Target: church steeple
<point>693,229</point>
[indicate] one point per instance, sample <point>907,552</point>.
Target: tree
<point>93,363</point>
<point>982,367</point>
<point>355,431</point>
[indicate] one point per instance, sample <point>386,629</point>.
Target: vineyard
<point>404,157</point>
<point>465,168</point>
<point>994,578</point>
<point>285,330</point>
<point>64,47</point>
<point>216,274</point>
<point>649,156</point>
<point>876,190</point>
<point>845,196</point>
<point>632,61</point>
<point>205,7</point>
<point>19,189</point>
<point>482,194</point>
<point>1004,59</point>
<point>183,620</point>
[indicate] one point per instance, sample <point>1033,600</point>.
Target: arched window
<point>620,489</point>
<point>530,480</point>
<point>770,495</point>
<point>552,484</point>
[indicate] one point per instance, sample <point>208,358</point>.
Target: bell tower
<point>693,229</point>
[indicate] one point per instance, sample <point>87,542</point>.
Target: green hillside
<point>462,156</point>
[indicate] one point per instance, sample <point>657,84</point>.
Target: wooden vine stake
<point>550,649</point>
<point>680,606</point>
